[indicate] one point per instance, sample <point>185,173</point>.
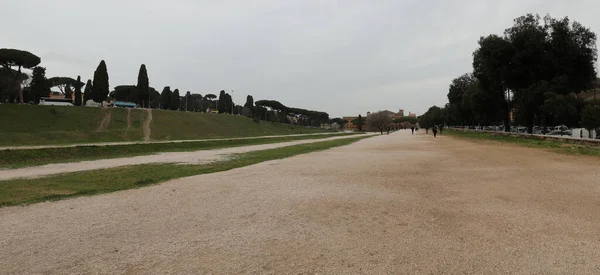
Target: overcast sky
<point>344,57</point>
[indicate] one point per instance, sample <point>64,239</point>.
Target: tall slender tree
<point>143,87</point>
<point>175,100</point>
<point>221,105</point>
<point>39,84</point>
<point>87,93</point>
<point>100,88</point>
<point>359,124</point>
<point>165,98</point>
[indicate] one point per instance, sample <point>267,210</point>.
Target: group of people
<point>435,130</point>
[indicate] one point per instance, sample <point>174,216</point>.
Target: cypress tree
<point>175,100</point>
<point>100,87</point>
<point>165,98</point>
<point>39,84</point>
<point>221,103</point>
<point>249,102</point>
<point>359,125</point>
<point>143,87</point>
<point>87,93</point>
<point>78,92</point>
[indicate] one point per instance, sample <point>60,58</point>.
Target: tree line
<point>540,71</point>
<point>18,87</point>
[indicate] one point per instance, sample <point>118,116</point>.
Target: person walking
<point>434,131</point>
<point>412,129</point>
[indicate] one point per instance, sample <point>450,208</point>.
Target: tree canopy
<point>534,70</point>
<point>18,58</point>
<point>100,86</point>
<point>143,87</point>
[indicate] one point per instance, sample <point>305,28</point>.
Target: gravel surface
<point>194,157</point>
<point>396,204</point>
<point>147,132</point>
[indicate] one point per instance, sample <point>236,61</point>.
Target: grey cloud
<point>343,57</point>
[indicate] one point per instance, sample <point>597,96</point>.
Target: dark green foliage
<point>165,98</point>
<point>78,86</point>
<point>359,123</point>
<point>143,87</point>
<point>433,117</point>
<point>154,98</point>
<point>126,93</point>
<point>304,117</point>
<point>68,92</point>
<point>175,100</point>
<point>87,93</point>
<point>228,104</point>
<point>590,119</point>
<point>100,86</point>
<point>221,105</point>
<point>39,84</point>
<point>536,70</point>
<point>411,120</point>
<point>20,59</point>
<point>249,102</point>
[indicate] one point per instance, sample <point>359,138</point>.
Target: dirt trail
<point>105,120</point>
<point>128,120</point>
<point>147,130</point>
<point>396,204</point>
<point>194,157</point>
<point>156,141</point>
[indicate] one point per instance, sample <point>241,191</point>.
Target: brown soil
<point>146,129</point>
<point>396,204</point>
<point>105,120</point>
<point>128,120</point>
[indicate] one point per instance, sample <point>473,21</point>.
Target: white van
<point>55,101</point>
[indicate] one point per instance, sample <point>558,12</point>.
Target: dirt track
<point>193,157</point>
<point>395,204</point>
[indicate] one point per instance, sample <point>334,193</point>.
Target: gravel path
<point>397,204</point>
<point>194,157</point>
<point>151,141</point>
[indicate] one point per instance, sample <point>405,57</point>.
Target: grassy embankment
<point>35,157</point>
<point>22,125</point>
<point>555,146</point>
<point>24,191</point>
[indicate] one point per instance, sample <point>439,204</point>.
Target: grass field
<point>43,125</point>
<point>23,191</point>
<point>559,147</point>
<point>35,157</point>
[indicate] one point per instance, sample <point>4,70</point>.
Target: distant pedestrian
<point>412,129</point>
<point>434,131</point>
<point>388,131</point>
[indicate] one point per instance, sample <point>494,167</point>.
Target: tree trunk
<point>507,121</point>
<point>19,90</point>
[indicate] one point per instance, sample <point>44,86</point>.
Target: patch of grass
<point>34,157</point>
<point>555,146</point>
<point>25,191</point>
<point>42,125</point>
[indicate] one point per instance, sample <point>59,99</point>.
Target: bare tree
<point>378,121</point>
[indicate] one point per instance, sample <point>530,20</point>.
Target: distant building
<point>412,114</point>
<point>350,126</point>
<point>401,113</point>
